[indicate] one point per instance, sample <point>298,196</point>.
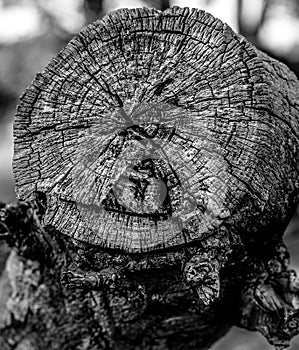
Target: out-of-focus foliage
<point>160,5</point>
<point>272,26</point>
<point>93,9</point>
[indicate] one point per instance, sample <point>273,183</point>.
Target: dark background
<point>33,31</point>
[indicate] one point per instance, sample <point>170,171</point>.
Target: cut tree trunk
<point>156,166</point>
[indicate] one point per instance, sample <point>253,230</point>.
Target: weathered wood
<point>152,308</point>
<point>157,161</point>
<point>217,106</point>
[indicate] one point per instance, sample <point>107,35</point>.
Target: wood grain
<point>181,88</point>
<point>156,164</point>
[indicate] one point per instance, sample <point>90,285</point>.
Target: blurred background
<point>33,31</point>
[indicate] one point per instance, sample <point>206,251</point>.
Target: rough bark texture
<point>156,159</point>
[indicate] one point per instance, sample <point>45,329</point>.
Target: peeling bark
<point>156,167</point>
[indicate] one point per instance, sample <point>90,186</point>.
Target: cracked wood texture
<point>216,118</point>
<point>153,141</point>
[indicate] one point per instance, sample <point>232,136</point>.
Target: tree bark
<point>156,176</point>
<point>154,310</point>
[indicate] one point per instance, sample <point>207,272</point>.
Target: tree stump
<point>156,166</point>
